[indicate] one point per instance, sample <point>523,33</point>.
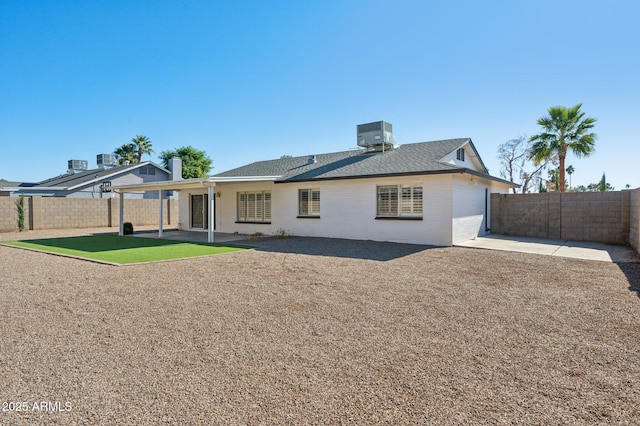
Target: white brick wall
<point>348,210</point>
<point>468,208</point>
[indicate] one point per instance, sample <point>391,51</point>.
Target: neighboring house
<point>425,193</point>
<point>81,182</point>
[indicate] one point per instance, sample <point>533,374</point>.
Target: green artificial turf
<point>124,250</point>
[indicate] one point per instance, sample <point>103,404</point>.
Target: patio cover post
<point>160,214</point>
<point>210,215</point>
<point>121,208</point>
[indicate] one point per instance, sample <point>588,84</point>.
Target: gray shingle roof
<point>71,180</point>
<point>413,158</point>
<point>11,184</point>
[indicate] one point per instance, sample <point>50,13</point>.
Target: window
<point>309,203</point>
<point>147,170</point>
<point>254,206</point>
<point>399,201</point>
<point>460,154</point>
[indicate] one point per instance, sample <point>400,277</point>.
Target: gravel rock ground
<point>315,331</point>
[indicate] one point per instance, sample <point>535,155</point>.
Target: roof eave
<point>492,178</point>
<point>475,151</point>
<point>177,185</point>
<point>425,172</point>
<point>34,188</point>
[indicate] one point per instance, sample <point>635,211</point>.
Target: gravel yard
<point>316,331</point>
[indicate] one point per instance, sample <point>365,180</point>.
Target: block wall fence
<point>64,213</point>
<point>634,234</point>
<point>603,217</point>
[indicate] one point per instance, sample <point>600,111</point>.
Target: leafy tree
<point>563,130</point>
<point>195,163</point>
<point>126,153</point>
<point>600,186</point>
<point>603,185</point>
<point>142,145</point>
<point>553,178</point>
<point>514,156</point>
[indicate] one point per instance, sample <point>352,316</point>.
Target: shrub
<point>20,208</point>
<point>283,233</point>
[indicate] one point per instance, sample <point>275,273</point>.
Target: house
<point>433,193</point>
<point>81,182</point>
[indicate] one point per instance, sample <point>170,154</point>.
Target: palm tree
<point>570,171</point>
<point>563,130</point>
<point>143,145</point>
<point>126,153</point>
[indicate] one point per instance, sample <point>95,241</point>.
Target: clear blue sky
<point>253,80</point>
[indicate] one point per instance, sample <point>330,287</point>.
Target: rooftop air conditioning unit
<point>106,161</point>
<point>77,165</point>
<point>376,136</point>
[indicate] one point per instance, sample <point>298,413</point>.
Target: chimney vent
<point>175,167</point>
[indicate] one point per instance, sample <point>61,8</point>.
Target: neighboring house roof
<point>11,184</point>
<point>408,159</point>
<point>74,181</point>
<point>70,181</point>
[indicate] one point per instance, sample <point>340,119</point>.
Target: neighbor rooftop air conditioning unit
<point>106,161</point>
<point>77,165</point>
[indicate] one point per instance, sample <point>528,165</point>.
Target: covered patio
<point>210,183</point>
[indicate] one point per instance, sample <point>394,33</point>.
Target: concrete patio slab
<point>195,236</point>
<point>562,248</point>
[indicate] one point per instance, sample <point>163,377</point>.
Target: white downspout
<point>121,208</point>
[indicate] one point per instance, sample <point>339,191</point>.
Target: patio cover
<point>180,185</point>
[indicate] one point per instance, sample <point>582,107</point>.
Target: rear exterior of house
<point>439,209</point>
<point>434,193</point>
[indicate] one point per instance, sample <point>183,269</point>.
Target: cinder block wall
<point>634,219</point>
<point>65,213</point>
<point>592,216</point>
<point>144,212</point>
<point>9,214</point>
<point>527,215</point>
<point>60,213</point>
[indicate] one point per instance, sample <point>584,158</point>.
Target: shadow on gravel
<point>632,272</point>
<point>335,247</point>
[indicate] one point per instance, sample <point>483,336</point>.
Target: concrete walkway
<point>562,248</point>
